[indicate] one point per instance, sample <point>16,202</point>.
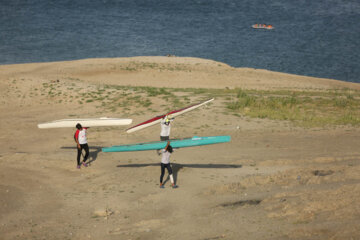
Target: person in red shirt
<point>80,139</point>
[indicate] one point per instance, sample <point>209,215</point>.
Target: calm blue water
<point>314,38</point>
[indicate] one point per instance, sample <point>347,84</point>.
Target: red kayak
<point>172,114</point>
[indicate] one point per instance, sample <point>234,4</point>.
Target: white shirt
<point>165,129</point>
<point>165,157</point>
<point>82,136</point>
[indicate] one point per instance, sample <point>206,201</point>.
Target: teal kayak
<point>175,143</point>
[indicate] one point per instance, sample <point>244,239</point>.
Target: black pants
<point>164,138</point>
<point>163,166</point>
<point>83,146</point>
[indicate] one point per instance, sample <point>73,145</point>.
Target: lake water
<point>313,38</point>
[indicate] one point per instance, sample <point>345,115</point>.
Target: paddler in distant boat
<point>165,128</point>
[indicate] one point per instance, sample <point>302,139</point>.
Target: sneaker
<point>84,164</point>
<point>174,186</point>
<point>78,166</point>
<point>162,186</point>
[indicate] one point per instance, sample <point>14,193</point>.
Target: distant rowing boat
<point>262,26</point>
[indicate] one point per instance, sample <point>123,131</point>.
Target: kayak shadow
<point>177,166</point>
<point>93,152</point>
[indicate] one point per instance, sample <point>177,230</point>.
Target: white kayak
<point>86,122</point>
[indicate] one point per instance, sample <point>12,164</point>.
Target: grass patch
<point>309,109</point>
<point>141,66</point>
<point>302,108</point>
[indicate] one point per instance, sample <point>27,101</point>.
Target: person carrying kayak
<point>165,128</point>
<point>165,163</point>
<point>81,141</point>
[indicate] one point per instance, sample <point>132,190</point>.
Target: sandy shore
<point>272,181</point>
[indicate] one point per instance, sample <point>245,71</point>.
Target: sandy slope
<point>169,72</point>
<point>272,181</point>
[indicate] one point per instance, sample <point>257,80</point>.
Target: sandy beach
<point>275,180</point>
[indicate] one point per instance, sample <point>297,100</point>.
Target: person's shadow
<point>177,166</point>
<point>93,152</point>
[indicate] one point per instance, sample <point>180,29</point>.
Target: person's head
<point>169,148</point>
<point>78,126</point>
<point>167,120</point>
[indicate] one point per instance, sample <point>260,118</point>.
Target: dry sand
<point>272,181</point>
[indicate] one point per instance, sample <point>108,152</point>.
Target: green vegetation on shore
<point>309,109</point>
<point>301,108</point>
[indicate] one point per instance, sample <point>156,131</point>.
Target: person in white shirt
<point>165,163</point>
<point>80,139</point>
<point>165,128</point>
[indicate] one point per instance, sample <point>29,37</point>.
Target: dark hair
<point>78,126</point>
<point>169,149</point>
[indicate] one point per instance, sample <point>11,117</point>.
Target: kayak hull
<point>86,122</point>
<point>171,114</point>
<point>175,143</point>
